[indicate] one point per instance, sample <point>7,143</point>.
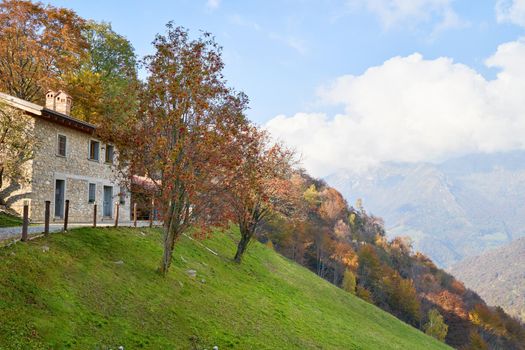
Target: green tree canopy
<point>436,326</point>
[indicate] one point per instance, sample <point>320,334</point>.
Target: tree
<point>400,249</point>
<point>43,47</point>
<point>105,86</point>
<point>436,326</point>
<point>369,269</point>
<point>333,205</point>
<point>342,258</point>
<point>364,294</point>
<point>17,142</point>
<point>401,296</point>
<point>477,342</point>
<point>259,185</point>
<point>311,196</point>
<point>359,205</point>
<point>349,282</point>
<point>38,46</point>
<point>182,135</point>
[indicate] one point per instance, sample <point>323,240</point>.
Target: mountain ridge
<point>453,209</point>
<point>497,276</point>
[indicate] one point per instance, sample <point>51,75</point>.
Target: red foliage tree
<point>182,138</point>
<point>260,184</point>
<point>38,45</point>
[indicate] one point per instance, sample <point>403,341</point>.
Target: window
<point>92,193</point>
<point>94,150</point>
<point>122,195</point>
<point>109,154</point>
<point>62,142</point>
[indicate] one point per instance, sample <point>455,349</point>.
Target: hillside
<point>498,276</point>
<point>96,288</point>
<point>452,210</point>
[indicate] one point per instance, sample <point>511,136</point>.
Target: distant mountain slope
<point>498,276</point>
<point>97,289</point>
<point>452,210</point>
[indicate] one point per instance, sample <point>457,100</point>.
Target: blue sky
<point>291,56</point>
<point>279,52</point>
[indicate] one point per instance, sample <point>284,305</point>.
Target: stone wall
<point>21,191</point>
<point>77,170</point>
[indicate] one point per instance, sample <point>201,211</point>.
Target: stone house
<point>69,163</point>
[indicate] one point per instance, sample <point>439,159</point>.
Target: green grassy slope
<point>9,221</point>
<point>97,289</point>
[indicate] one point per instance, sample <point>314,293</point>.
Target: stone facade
<point>77,171</point>
<point>57,178</point>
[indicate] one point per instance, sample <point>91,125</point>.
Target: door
<point>60,189</point>
<point>107,206</point>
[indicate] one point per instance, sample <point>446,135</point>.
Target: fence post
<point>47,214</point>
<point>152,212</point>
<point>135,214</point>
<point>66,215</point>
<point>94,215</point>
<point>25,222</point>
<point>116,213</point>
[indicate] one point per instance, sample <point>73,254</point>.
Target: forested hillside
<point>498,276</point>
<point>348,247</point>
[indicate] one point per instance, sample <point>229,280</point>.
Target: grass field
<point>98,289</point>
<point>9,221</point>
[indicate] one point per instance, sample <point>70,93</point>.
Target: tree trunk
<point>169,243</point>
<point>171,233</point>
<point>241,247</point>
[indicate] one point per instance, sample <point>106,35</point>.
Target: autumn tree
<point>105,85</point>
<point>349,282</point>
<point>399,295</point>
<point>311,196</point>
<point>180,139</point>
<point>38,45</point>
<point>17,141</point>
<point>400,249</point>
<point>370,269</point>
<point>289,232</point>
<point>342,258</point>
<point>436,326</point>
<point>476,342</point>
<point>359,205</point>
<point>327,207</point>
<point>260,184</point>
<point>333,205</point>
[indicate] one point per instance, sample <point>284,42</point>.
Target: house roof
<point>146,183</point>
<point>47,114</point>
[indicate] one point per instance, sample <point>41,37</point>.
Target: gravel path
<point>14,233</point>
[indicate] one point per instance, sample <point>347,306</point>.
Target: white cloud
<point>213,4</point>
<point>412,109</point>
<point>243,22</point>
<point>292,42</point>
<point>512,11</point>
<point>395,12</point>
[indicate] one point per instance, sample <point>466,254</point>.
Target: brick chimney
<point>59,101</point>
